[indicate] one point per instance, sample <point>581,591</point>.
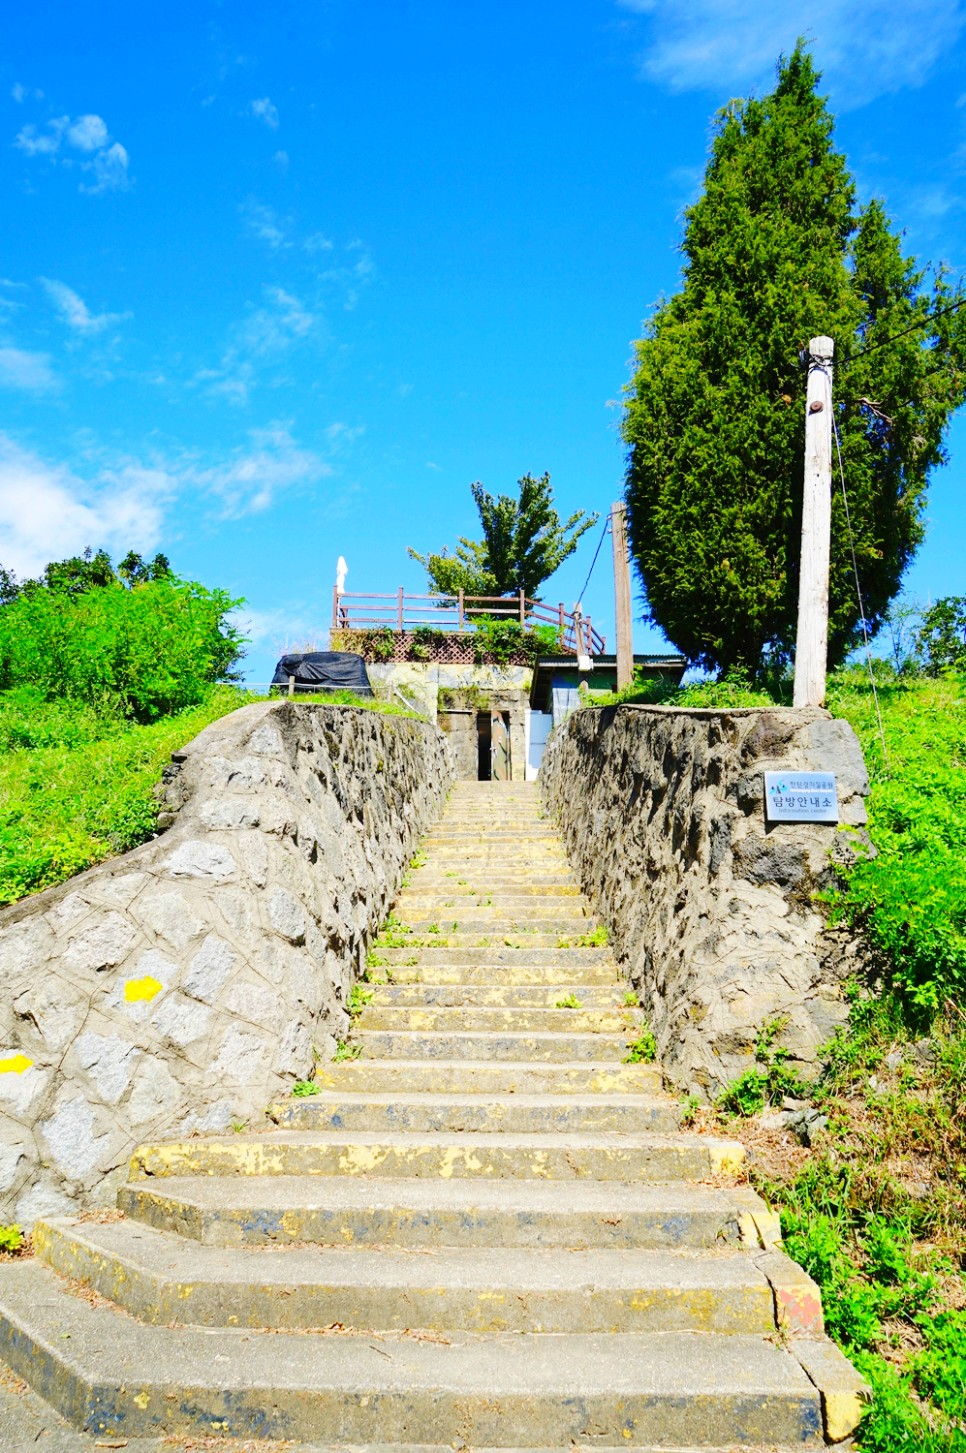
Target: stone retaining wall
<point>180,987</point>
<point>710,908</point>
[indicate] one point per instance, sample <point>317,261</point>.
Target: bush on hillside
<point>140,640</point>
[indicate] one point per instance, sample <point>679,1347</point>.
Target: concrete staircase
<point>486,1231</point>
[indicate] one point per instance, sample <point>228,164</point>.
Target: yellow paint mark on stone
<point>769,1227</point>
<point>15,1064</point>
<point>842,1413</point>
<point>141,1400</point>
<point>727,1158</point>
<point>140,990</point>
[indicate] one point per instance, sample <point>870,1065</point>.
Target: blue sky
<point>278,282</point>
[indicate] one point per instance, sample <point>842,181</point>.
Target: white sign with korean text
<point>801,797</point>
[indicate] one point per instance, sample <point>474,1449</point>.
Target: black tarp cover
<point>324,671</point>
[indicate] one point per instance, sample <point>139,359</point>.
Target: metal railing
<point>402,613</point>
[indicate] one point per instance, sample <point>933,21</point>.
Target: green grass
<point>911,899</point>
<point>77,785</point>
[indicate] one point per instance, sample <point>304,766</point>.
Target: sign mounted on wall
<point>801,797</point>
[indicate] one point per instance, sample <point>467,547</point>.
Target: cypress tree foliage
<point>776,253</point>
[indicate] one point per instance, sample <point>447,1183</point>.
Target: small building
<point>480,668</point>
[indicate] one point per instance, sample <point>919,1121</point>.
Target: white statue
<point>341,571</point>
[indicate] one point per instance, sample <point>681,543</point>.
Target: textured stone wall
<point>181,986</point>
<point>710,908</point>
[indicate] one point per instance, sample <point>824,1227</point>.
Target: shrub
<point>147,651</point>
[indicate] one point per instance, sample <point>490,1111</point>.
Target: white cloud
<point>42,143</point>
<point>75,311</point>
<point>863,50</point>
<point>317,242</point>
<point>51,510</point>
<point>263,336</point>
<point>110,170</point>
<point>106,161</point>
<point>352,277</point>
<point>47,512</point>
<point>88,133</point>
<point>25,93</point>
<point>249,479</point>
<point>265,111</point>
<point>30,372</point>
<point>265,224</point>
<point>281,160</point>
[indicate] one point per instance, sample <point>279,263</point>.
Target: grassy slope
<point>77,786</point>
<point>876,1209</point>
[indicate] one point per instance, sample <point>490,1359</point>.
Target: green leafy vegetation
<point>875,1209</point>
<point>642,1050</point>
<point>502,641</point>
<point>569,1001</point>
<point>345,1050</point>
<point>769,1081</point>
<point>523,543</point>
<point>776,251</point>
<point>359,996</point>
<point>911,898</point>
<point>11,1240</point>
<point>77,785</point>
<point>141,644</point>
<point>302,1088</point>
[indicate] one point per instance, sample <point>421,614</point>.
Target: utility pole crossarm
<point>811,642</point>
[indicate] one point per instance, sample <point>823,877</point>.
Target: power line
<point>858,594</point>
<point>913,328</point>
<point>603,536</point>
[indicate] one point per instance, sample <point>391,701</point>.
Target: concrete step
<point>164,1279</point>
<point>511,855</point>
<point>512,896</point>
<point>477,879</point>
<point>495,995</point>
<point>378,1211</point>
<point>486,937</point>
<point>465,1077</point>
<point>474,1113</point>
<point>111,1374</point>
<point>390,1044</point>
<point>561,1157</point>
<point>488,921</point>
<point>504,956</point>
<point>431,966</point>
<point>446,1020</point>
<point>514,836</point>
<point>439,904</point>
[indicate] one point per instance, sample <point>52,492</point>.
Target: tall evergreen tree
<point>775,253</point>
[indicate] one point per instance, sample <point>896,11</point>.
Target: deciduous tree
<point>523,543</point>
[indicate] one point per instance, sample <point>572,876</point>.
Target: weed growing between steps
<point>12,1240</point>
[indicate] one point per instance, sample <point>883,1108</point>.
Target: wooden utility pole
<point>622,596</point>
<point>811,641</point>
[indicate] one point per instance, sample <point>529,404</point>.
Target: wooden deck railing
<point>400,612</point>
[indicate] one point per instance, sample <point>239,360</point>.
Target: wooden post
<point>399,613</point>
<point>811,641</point>
<point>622,596</point>
<point>523,608</point>
<point>291,686</point>
<point>335,606</point>
<point>460,627</point>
